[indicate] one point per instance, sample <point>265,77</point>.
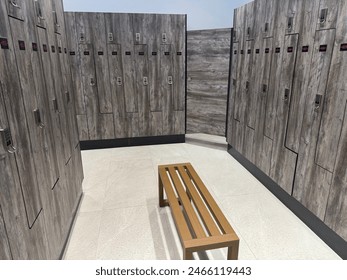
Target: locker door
<point>166,87</point>
<point>5,251</point>
<point>142,88</point>
<point>312,183</point>
<point>283,161</point>
<point>101,63</point>
<point>128,57</point>
<point>302,72</point>
<point>295,16</point>
<point>268,25</point>
<point>114,53</point>
<point>41,12</point>
<point>179,63</point>
<point>262,144</point>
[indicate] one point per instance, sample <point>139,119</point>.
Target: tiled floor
<point>119,217</point>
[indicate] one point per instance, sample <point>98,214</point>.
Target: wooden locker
<point>41,12</point>
<point>128,62</point>
<point>262,144</point>
<point>179,25</point>
<point>249,28</point>
<point>115,53</point>
<point>283,161</point>
<point>101,64</point>
<point>166,87</point>
<point>312,183</point>
<point>142,88</point>
<point>84,30</point>
<point>155,97</point>
<point>301,74</point>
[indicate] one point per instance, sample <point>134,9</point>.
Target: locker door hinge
<point>6,138</point>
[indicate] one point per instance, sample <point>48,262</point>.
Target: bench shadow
<point>159,218</point>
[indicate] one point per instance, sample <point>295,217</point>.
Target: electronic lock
<point>119,81</point>
<point>318,102</point>
<point>164,38</point>
<point>38,119</point>
<point>6,138</point>
<point>110,37</point>
<point>92,81</point>
<point>169,80</point>
<point>145,81</point>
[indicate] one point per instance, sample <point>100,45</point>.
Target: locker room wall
<point>129,74</point>
<point>208,54</point>
<point>40,159</point>
<point>289,99</point>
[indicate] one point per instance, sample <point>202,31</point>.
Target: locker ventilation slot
<point>72,53</point>
<point>141,53</point>
<point>114,53</point>
<point>127,53</point>
<point>343,47</point>
<point>249,51</point>
<point>277,50</point>
<point>257,51</point>
<point>60,50</point>
<point>35,48</point>
<point>290,49</point>
<point>100,53</point>
<point>45,48</point>
<point>21,45</point>
<point>179,53</point>
<point>235,52</point>
<point>86,52</point>
<point>53,49</point>
<point>167,53</point>
<point>267,50</point>
<point>154,53</point>
<point>305,48</point>
<point>4,43</point>
<point>323,48</point>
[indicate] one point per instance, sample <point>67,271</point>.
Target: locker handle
<point>323,15</point>
<point>290,23</point>
<point>14,4</point>
<point>318,102</point>
<point>119,81</point>
<point>286,96</point>
<point>38,119</point>
<point>7,140</point>
<point>55,105</point>
<point>145,81</point>
<point>169,80</point>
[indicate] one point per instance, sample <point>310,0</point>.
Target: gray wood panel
<point>5,251</point>
<point>268,25</point>
<point>207,74</point>
<point>295,15</point>
<point>312,183</point>
<point>301,74</point>
<point>156,123</point>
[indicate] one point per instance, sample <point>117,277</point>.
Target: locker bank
<point>127,136</point>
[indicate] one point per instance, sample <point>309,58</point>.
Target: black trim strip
<point>128,142</point>
<point>334,241</point>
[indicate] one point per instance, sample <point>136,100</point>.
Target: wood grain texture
<point>5,251</point>
<point>207,74</point>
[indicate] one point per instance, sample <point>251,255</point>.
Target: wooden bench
<point>200,223</point>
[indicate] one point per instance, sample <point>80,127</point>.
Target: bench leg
<point>233,251</point>
<point>187,255</point>
<point>161,193</point>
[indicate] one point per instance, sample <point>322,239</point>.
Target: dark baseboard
<point>127,142</point>
<point>334,241</point>
<point>70,227</point>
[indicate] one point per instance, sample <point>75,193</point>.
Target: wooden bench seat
<point>200,223</point>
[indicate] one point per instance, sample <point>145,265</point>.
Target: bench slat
<point>210,202</point>
<point>177,214</point>
<point>193,218</point>
<point>199,204</point>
